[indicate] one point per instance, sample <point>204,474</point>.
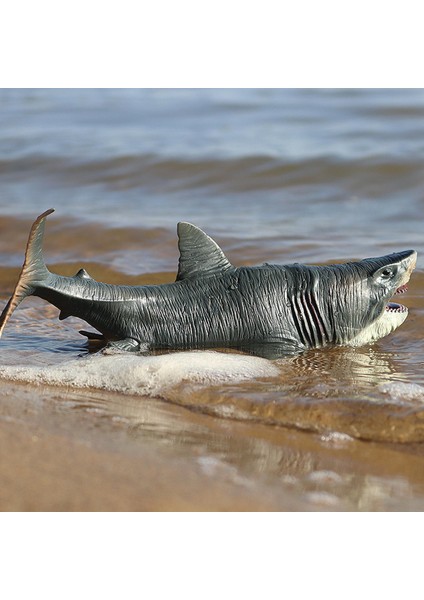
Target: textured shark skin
<point>270,310</point>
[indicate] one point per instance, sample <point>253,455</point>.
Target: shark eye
<point>386,273</point>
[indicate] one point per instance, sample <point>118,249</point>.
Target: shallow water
<point>274,176</point>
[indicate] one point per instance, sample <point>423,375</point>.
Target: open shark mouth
<point>394,307</point>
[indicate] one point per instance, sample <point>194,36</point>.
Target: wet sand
<point>80,462</point>
<point>66,451</point>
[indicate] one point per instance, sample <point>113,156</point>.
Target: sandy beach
<point>82,463</point>
<point>67,451</point>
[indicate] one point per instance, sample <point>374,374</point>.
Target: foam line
<point>403,392</point>
<point>144,375</point>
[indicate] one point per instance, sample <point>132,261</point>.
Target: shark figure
<point>269,310</point>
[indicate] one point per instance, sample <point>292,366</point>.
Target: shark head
<point>364,306</point>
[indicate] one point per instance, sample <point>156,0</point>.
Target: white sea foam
<point>145,375</point>
<point>400,391</point>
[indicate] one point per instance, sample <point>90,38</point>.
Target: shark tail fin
<point>34,271</point>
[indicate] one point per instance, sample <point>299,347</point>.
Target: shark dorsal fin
<point>200,256</point>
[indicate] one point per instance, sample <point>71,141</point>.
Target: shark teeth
<point>402,289</point>
<point>393,307</point>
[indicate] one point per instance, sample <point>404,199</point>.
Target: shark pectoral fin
<point>125,345</point>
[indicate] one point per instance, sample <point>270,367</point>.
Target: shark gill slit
<point>299,314</point>
<point>295,318</point>
<point>309,323</point>
<point>312,327</point>
<point>297,321</point>
<point>318,320</point>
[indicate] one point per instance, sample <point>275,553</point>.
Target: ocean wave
<point>240,174</point>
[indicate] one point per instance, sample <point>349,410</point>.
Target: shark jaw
<point>393,314</point>
<point>388,322</point>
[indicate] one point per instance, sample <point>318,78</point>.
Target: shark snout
<point>408,263</point>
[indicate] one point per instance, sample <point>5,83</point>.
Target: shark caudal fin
<point>34,271</point>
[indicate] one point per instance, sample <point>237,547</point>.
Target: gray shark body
<point>270,310</point>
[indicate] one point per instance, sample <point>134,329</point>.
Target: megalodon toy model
<point>269,310</point>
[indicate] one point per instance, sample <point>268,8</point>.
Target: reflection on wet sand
<point>298,470</point>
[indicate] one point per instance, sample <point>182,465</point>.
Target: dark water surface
<point>274,176</point>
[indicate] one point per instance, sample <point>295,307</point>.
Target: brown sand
<point>82,462</point>
<point>63,451</point>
